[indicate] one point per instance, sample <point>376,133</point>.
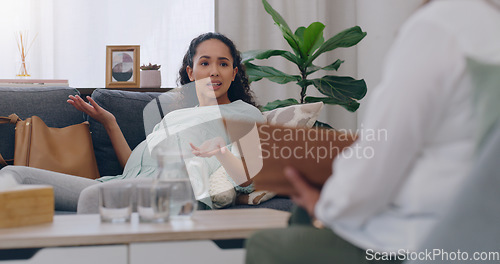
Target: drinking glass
<point>115,202</point>
<point>153,201</point>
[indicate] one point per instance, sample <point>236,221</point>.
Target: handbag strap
<point>11,119</point>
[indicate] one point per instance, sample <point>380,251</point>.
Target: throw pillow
<point>221,190</point>
<point>294,115</point>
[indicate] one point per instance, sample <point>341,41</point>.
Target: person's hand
<point>93,109</point>
<point>306,196</point>
<point>209,148</point>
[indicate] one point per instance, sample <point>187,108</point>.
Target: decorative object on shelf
<point>122,66</point>
<point>150,76</point>
<point>307,44</point>
<point>22,39</point>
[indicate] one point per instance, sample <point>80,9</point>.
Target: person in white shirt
<point>385,204</point>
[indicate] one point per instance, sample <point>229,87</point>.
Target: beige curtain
<point>247,23</point>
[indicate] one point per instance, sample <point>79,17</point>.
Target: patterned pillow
<point>291,116</point>
<point>294,115</point>
<point>221,190</point>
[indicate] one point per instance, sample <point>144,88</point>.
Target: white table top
<point>79,230</point>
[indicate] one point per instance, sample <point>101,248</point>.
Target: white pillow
<point>294,115</point>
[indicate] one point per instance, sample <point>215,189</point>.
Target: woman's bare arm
<point>232,164</point>
<point>108,120</point>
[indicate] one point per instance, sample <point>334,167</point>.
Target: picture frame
<point>122,66</point>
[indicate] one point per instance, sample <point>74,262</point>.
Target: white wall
<point>247,23</point>
<point>10,23</point>
<point>72,35</point>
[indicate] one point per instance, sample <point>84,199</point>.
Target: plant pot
<point>150,79</point>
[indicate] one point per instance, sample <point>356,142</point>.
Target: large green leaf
<point>256,73</point>
<point>291,38</point>
<point>313,38</point>
<point>251,55</point>
<point>293,58</point>
<point>342,90</point>
<point>346,38</point>
<point>332,67</point>
<point>279,103</point>
<point>312,69</point>
<point>300,33</point>
<point>349,104</point>
<point>260,54</point>
<point>321,124</point>
<point>304,83</point>
<point>341,87</point>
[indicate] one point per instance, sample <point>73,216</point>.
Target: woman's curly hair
<point>239,89</point>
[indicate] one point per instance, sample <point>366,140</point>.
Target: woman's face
<point>213,71</point>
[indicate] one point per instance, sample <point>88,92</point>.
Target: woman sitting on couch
<point>214,64</point>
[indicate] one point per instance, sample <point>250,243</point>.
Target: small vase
<point>23,70</point>
<point>150,79</point>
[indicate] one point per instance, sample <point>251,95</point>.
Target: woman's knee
<point>88,202</point>
<point>19,173</point>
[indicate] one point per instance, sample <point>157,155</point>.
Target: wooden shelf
<point>33,82</point>
<point>88,91</point>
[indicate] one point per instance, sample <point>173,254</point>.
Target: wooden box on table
<point>26,205</point>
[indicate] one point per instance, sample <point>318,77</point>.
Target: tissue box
<point>24,205</point>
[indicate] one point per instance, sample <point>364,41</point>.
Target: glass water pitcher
<point>172,168</point>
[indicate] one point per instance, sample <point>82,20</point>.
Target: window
<point>71,36</point>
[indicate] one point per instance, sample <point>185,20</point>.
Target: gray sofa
<point>49,103</point>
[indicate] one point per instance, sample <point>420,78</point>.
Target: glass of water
<point>115,202</point>
<point>153,201</point>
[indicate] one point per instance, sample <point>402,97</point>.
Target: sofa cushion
<point>277,203</point>
<point>48,103</point>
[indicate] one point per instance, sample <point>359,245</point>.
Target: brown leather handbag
<point>67,150</point>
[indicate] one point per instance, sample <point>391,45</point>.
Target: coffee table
<point>84,239</point>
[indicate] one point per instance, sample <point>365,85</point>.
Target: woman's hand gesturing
<point>209,148</point>
<point>93,110</point>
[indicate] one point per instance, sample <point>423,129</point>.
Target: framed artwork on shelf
<point>122,66</point>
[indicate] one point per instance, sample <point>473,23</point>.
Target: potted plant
<point>150,76</point>
<point>307,44</point>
